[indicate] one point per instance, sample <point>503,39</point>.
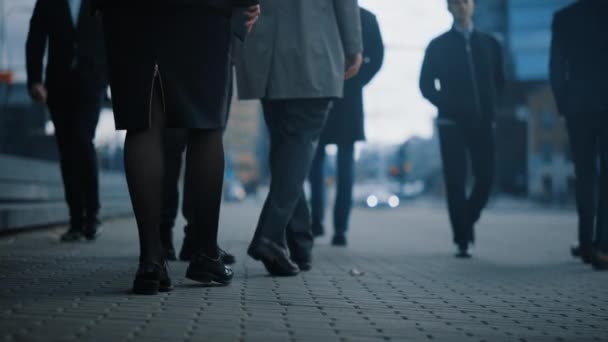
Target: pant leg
<point>453,155</point>
<point>295,126</point>
<point>66,146</point>
<point>87,117</point>
<point>299,233</point>
<point>481,150</point>
<point>601,237</point>
<point>174,145</point>
<point>344,188</point>
<point>584,153</point>
<point>317,190</point>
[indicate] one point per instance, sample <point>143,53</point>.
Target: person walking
<point>169,67</point>
<point>294,61</point>
<point>73,89</point>
<point>462,75</point>
<point>344,127</point>
<point>578,73</point>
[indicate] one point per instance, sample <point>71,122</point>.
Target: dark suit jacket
<point>71,51</point>
<point>224,4</point>
<point>345,123</point>
<point>579,57</point>
<point>463,83</point>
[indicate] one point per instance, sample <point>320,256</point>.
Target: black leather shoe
<point>72,235</point>
<point>303,265</point>
<point>92,229</point>
<point>339,240</point>
<point>207,270</point>
<point>463,251</point>
<point>152,278</point>
<point>599,261</point>
<point>273,257</point>
<point>226,257</point>
<point>586,254</point>
<point>166,241</point>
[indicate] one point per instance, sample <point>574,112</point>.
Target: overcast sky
<point>394,107</point>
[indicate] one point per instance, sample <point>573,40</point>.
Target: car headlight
<point>372,201</point>
<point>393,201</point>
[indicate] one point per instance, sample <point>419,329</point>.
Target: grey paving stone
<point>411,289</point>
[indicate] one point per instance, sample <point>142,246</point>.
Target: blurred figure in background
<point>295,61</point>
<point>344,127</point>
<point>579,72</point>
<point>462,75</point>
<point>73,89</point>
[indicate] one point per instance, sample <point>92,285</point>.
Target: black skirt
<point>185,48</point>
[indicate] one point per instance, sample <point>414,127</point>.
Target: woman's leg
<point>144,167</point>
<point>204,179</point>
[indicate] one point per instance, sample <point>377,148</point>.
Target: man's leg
<point>584,153</point>
<point>344,192</point>
<point>86,121</point>
<point>299,235</point>
<point>481,148</point>
<point>453,155</point>
<point>601,237</point>
<point>64,135</point>
<point>317,191</point>
<point>295,126</point>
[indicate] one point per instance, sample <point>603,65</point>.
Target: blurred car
<point>376,195</point>
<point>411,190</point>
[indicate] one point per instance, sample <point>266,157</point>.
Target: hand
<point>353,64</point>
<point>38,92</point>
<point>253,13</point>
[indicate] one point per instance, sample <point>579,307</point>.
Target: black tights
<point>144,166</point>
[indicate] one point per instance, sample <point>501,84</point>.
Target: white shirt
<point>75,10</point>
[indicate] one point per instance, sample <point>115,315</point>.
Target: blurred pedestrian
<point>295,61</point>
<point>73,90</point>
<point>344,127</point>
<point>462,75</point>
<point>579,72</point>
<point>169,67</point>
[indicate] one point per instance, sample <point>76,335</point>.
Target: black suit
<point>345,126</point>
<point>579,72</point>
<point>462,77</point>
<point>75,78</point>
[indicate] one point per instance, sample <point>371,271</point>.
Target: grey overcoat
<point>297,49</point>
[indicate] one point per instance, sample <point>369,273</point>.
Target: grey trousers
<point>295,126</point>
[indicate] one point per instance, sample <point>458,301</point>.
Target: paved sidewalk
<point>521,286</point>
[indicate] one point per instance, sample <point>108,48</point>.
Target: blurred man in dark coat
<point>579,76</point>
<point>462,75</point>
<point>344,127</point>
<point>73,90</point>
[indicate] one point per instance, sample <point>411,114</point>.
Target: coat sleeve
<point>373,52</point>
<point>349,24</point>
<point>36,43</point>
<point>558,64</point>
<point>428,75</point>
